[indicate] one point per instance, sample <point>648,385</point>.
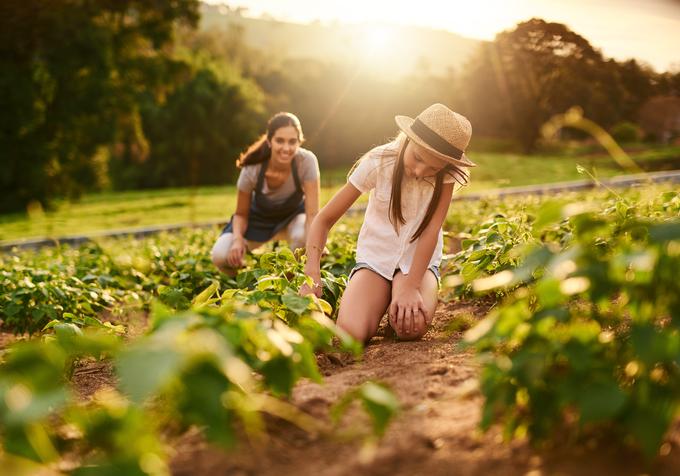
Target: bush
<point>626,132</point>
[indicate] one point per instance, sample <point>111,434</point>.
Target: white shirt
<point>379,245</point>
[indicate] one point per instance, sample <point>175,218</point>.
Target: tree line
<point>130,94</point>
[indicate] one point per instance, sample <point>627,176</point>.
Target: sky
<point>648,30</point>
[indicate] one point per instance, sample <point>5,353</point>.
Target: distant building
<point>659,118</point>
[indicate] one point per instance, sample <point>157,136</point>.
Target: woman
<point>278,194</point>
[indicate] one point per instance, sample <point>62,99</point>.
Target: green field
<point>123,210</point>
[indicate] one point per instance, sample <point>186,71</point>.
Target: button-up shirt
<point>379,245</point>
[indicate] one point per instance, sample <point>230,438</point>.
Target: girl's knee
<point>350,326</point>
<point>355,326</point>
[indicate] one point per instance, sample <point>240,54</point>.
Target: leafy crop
<point>590,332</point>
<point>218,354</point>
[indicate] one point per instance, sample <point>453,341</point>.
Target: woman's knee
<point>296,231</point>
<point>220,251</point>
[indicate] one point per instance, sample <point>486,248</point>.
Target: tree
<point>526,75</point>
<point>196,135</point>
<point>638,82</point>
<point>72,74</point>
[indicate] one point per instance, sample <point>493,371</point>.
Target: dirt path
<point>436,433</point>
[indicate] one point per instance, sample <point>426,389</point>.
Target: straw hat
<point>441,131</point>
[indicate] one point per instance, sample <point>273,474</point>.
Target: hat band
<point>434,140</point>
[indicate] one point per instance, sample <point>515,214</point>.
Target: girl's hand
<point>407,311</point>
<point>316,289</point>
<point>237,253</point>
<point>306,289</point>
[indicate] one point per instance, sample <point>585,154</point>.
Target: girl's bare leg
<point>429,289</point>
<point>363,304</point>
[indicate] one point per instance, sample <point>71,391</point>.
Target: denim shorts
<point>361,265</point>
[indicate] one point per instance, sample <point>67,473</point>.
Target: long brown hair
<point>259,151</point>
<point>396,215</point>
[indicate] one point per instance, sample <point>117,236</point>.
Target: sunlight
<point>377,38</point>
<point>480,19</point>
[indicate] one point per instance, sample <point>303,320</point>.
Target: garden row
<point>585,334</point>
<point>220,354</point>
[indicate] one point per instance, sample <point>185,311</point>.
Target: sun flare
<point>377,38</point>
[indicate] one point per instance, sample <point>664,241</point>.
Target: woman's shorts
<point>360,265</point>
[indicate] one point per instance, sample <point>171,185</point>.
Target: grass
<point>115,211</point>
<point>498,170</point>
<point>121,210</point>
<point>513,170</point>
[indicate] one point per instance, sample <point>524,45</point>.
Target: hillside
<point>398,49</point>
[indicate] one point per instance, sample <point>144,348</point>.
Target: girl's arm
<point>239,226</point>
<point>408,298</point>
<point>311,190</point>
<point>318,232</point>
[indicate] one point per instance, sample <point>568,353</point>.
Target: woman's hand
<point>237,252</point>
<point>407,311</point>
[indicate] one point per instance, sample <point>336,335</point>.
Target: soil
<point>436,432</point>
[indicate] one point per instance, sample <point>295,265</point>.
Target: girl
<point>278,194</point>
<point>400,243</point>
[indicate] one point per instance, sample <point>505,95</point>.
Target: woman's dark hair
<point>396,215</point>
<point>259,151</point>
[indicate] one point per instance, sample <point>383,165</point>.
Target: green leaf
<point>143,371</point>
<point>549,293</point>
<point>269,282</point>
<point>549,213</point>
<point>297,304</point>
<point>378,401</point>
<point>381,405</point>
<point>323,305</point>
<point>203,297</point>
<point>201,402</point>
<point>665,232</point>
<point>51,324</point>
<point>174,297</point>
<point>600,401</point>
<point>67,329</point>
<point>279,375</point>
<point>649,425</point>
<point>37,406</point>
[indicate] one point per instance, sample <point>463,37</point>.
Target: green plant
<point>591,334</point>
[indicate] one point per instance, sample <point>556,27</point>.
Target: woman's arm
<point>311,190</point>
<point>239,226</point>
<point>323,222</point>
